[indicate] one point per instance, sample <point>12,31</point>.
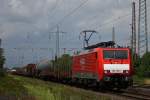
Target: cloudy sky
<point>27,26</point>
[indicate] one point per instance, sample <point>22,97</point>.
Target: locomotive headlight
<point>126,71</point>
<point>107,71</point>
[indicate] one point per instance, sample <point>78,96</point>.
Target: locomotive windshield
<point>115,54</point>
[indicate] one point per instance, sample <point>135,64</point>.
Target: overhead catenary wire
<point>116,19</point>
<point>55,5</point>
<point>69,14</point>
<point>99,26</point>
<point>112,21</point>
<point>53,9</point>
<point>97,16</point>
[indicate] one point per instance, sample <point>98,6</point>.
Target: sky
<point>27,27</point>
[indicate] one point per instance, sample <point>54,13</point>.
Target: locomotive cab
<point>117,67</point>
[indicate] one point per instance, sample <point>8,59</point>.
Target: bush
<point>2,73</point>
<point>146,60</point>
<point>140,71</point>
<point>2,61</point>
<point>143,65</point>
<point>2,58</point>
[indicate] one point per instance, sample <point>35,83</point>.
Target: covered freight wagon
<point>57,69</point>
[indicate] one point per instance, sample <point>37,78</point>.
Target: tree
<point>146,60</point>
<point>2,58</point>
<point>144,65</point>
<point>2,61</point>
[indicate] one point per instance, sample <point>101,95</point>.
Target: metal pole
<point>0,43</point>
<point>113,34</point>
<point>57,42</point>
<point>142,28</point>
<point>139,28</point>
<point>146,30</point>
<point>133,43</point>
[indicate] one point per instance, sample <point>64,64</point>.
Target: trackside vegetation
<point>2,61</point>
<point>142,68</point>
<point>22,88</point>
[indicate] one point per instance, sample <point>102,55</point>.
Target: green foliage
<point>63,64</point>
<point>2,58</point>
<point>135,59</point>
<point>140,71</point>
<point>138,62</point>
<point>2,61</point>
<point>11,87</point>
<point>143,65</point>
<point>145,61</point>
<point>32,89</point>
<point>2,73</point>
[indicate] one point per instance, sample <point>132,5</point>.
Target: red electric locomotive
<point>104,66</point>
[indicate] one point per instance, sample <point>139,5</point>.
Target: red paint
<point>93,61</point>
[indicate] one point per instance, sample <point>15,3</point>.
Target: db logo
<point>82,63</point>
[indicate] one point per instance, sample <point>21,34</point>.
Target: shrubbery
<point>2,73</point>
<point>2,61</point>
<point>142,65</point>
<point>63,64</point>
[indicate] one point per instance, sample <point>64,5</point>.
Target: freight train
<point>101,65</point>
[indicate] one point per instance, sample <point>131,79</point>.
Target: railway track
<point>137,93</point>
<point>132,93</point>
<point>141,86</point>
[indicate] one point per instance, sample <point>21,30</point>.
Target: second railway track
<point>137,93</point>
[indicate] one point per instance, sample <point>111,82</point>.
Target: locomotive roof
<point>96,49</point>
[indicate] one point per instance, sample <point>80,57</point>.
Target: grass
<point>21,88</point>
<point>141,80</point>
<point>9,85</point>
<point>12,88</point>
